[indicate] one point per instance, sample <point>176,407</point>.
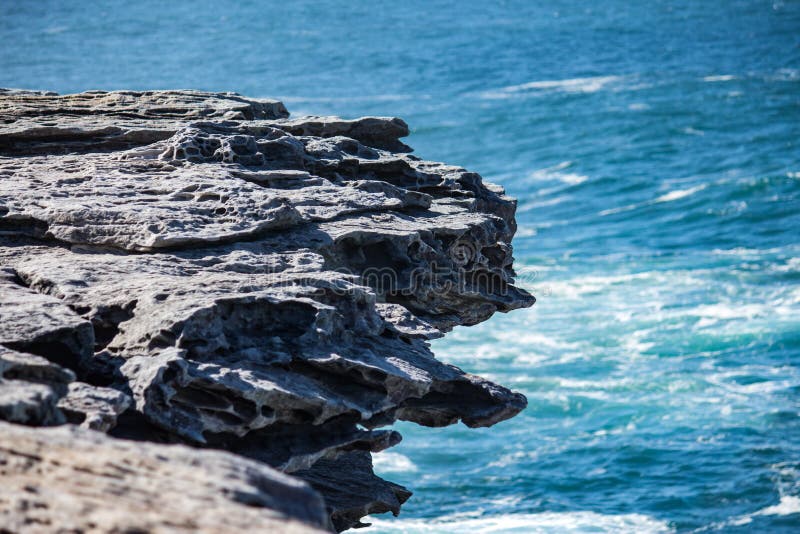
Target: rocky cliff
<point>246,295</point>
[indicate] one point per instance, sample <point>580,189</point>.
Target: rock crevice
<point>200,269</point>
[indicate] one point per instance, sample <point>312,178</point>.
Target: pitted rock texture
<point>204,270</point>
<point>41,122</point>
<point>68,479</point>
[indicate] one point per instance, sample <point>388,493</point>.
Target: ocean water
<point>654,148</point>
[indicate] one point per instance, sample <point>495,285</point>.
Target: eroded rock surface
<point>68,479</point>
<point>201,269</point>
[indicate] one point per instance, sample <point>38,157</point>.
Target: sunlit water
<point>654,151</point>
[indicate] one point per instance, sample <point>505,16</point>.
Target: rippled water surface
<point>654,150</point>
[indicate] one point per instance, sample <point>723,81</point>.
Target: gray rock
<point>38,323</point>
<point>68,479</point>
<point>379,132</point>
<point>31,368</point>
<point>48,123</point>
<point>30,388</point>
<point>352,490</point>
<point>251,282</point>
<point>29,403</point>
<point>36,391</point>
<point>93,407</point>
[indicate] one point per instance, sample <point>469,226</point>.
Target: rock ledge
<point>189,269</point>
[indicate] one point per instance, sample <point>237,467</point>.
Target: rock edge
<point>197,269</point>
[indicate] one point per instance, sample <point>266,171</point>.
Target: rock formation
<point>179,267</point>
<point>67,479</point>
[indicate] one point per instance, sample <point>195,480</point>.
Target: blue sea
<point>654,147</point>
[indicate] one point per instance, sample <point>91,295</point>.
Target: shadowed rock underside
<point>180,267</point>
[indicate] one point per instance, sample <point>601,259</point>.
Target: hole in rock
<point>74,418</point>
<point>199,398</point>
<point>106,323</point>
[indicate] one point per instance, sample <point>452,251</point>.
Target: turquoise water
<point>654,151</point>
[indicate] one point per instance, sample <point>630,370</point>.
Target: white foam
<point>742,315</point>
<point>589,84</point>
<point>729,311</point>
<point>393,462</point>
<point>560,166</point>
<point>537,358</point>
<point>742,251</point>
<point>581,385</point>
<point>680,193</point>
<point>554,173</point>
<point>509,500</point>
<point>788,505</point>
<point>544,203</point>
<point>536,339</point>
<point>620,209</point>
<point>526,231</point>
<point>541,523</point>
<point>572,178</point>
<point>719,78</point>
<point>583,285</point>
<point>693,131</point>
<point>635,346</point>
<point>624,316</point>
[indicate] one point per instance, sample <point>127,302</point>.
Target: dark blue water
<point>654,150</point>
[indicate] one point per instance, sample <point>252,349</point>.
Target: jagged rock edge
<point>424,191</point>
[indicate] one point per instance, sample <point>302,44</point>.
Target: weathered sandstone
<point>68,479</point>
<point>197,268</point>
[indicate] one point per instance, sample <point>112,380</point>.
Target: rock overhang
<point>229,277</point>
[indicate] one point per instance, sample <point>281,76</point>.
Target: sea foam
<point>392,462</point>
<point>590,84</point>
<point>541,523</point>
<point>680,193</point>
